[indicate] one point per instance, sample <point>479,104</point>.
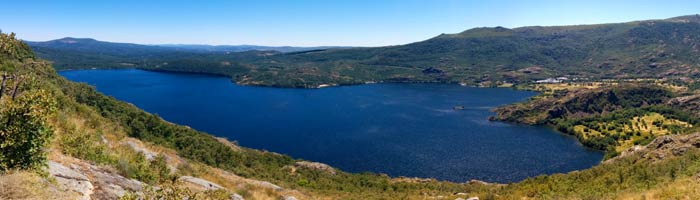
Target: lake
<point>397,129</point>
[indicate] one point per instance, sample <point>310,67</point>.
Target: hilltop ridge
<point>664,49</point>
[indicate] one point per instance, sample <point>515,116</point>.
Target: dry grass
<point>549,87</point>
<point>29,185</point>
<point>248,188</point>
<point>685,189</point>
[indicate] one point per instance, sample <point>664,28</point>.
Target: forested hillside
<point>666,49</point>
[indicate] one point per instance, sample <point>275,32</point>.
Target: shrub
<point>86,146</point>
<point>134,165</point>
<point>25,131</point>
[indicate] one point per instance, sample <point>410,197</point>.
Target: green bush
<point>85,146</point>
<point>24,130</point>
<point>134,165</point>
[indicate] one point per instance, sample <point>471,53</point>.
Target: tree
<point>24,129</point>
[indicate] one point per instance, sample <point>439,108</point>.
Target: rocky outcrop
<point>200,183</point>
<point>663,147</point>
<point>689,103</point>
<point>71,180</point>
<point>315,166</point>
<point>109,184</point>
<point>669,146</point>
<point>266,184</point>
<point>90,181</point>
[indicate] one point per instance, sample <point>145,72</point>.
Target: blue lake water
<point>398,129</point>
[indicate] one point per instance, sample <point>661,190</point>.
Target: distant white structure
<point>553,80</point>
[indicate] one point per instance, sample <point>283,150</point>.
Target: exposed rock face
<point>315,166</point>
<point>663,147</point>
<point>201,183</point>
<point>69,179</point>
<point>266,184</point>
<point>688,103</point>
<point>290,198</point>
<point>110,184</point>
<point>92,182</point>
<point>668,146</point>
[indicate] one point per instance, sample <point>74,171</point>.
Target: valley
<point>488,113</point>
<point>406,130</point>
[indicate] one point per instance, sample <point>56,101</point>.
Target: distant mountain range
<point>667,48</point>
<point>92,45</point>
<point>241,48</point>
<point>78,53</point>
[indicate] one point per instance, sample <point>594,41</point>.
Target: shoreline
<point>383,82</point>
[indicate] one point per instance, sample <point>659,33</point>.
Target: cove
<point>398,129</point>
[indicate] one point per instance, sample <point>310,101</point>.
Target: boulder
<point>290,198</point>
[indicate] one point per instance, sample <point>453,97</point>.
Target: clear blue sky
<point>307,22</point>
